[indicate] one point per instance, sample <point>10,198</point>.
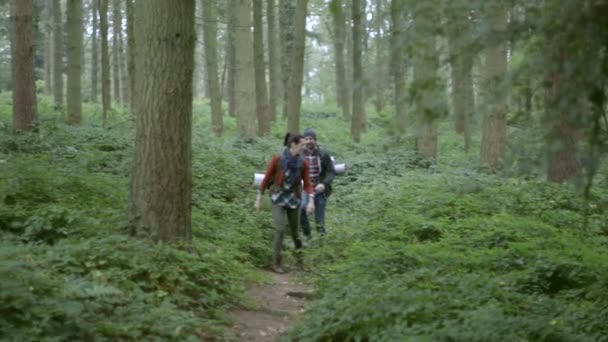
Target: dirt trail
<point>277,305</point>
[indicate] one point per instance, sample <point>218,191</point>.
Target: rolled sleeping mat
<point>259,177</point>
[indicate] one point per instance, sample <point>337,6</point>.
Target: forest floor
<point>276,307</point>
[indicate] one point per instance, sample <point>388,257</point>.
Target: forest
<point>473,207</point>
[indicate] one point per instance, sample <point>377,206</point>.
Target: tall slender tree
<point>23,52</point>
<point>398,64</point>
<point>461,66</point>
<point>297,70</point>
<point>261,92</point>
<point>105,60</point>
<point>244,71</point>
<point>427,88</point>
<point>48,46</point>
<point>286,24</point>
<point>231,58</point>
<point>274,70</point>
<point>94,51</point>
<point>161,180</point>
<point>494,130</point>
<point>74,16</point>
<point>358,101</point>
<point>57,55</point>
<point>131,54</point>
<point>342,88</point>
<point>380,68</point>
<point>210,37</point>
<point>116,33</point>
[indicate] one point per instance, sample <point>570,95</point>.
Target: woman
<point>285,176</point>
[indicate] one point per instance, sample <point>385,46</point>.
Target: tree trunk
<point>105,61</point>
<point>398,67</point>
<point>297,70</point>
<point>461,65</point>
<point>94,53</point>
<point>342,93</point>
<point>427,84</point>
<point>231,59</point>
<point>494,130</point>
<point>274,71</point>
<point>561,101</point>
<point>210,36</point>
<point>358,101</point>
<point>48,46</point>
<point>116,32</point>
<point>380,63</point>
<point>74,16</point>
<point>286,22</point>
<point>57,55</point>
<point>23,52</point>
<point>124,76</point>
<point>244,71</point>
<point>131,55</point>
<point>261,93</point>
<point>161,180</point>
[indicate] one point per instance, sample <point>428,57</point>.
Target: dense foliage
<point>426,251</point>
<point>443,252</point>
<point>70,269</point>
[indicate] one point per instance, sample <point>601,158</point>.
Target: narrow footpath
<point>277,305</point>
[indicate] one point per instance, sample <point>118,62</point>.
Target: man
<point>322,173</point>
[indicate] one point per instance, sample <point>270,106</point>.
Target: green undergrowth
<point>441,252</point>
<point>69,268</point>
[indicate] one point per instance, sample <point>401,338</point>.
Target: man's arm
<point>328,167</point>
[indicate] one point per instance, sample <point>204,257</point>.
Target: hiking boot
<point>307,237</point>
<point>321,230</point>
<point>278,264</point>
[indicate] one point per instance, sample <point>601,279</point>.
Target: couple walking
<point>302,167</point>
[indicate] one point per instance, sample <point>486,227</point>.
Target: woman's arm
<point>270,172</point>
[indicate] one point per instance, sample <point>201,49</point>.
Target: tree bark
<point>261,92</point>
<point>74,101</point>
<point>23,52</point>
<point>494,130</point>
<point>274,70</point>
<point>116,33</point>
<point>342,89</point>
<point>57,55</point>
<point>565,134</point>
<point>398,67</point>
<point>210,36</point>
<point>461,65</point>
<point>297,70</point>
<point>131,65</point>
<point>105,61</point>
<point>231,59</point>
<point>48,46</point>
<point>244,71</point>
<point>161,180</point>
<point>286,23</point>
<point>427,84</point>
<point>94,52</point>
<point>358,101</point>
<point>380,63</point>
